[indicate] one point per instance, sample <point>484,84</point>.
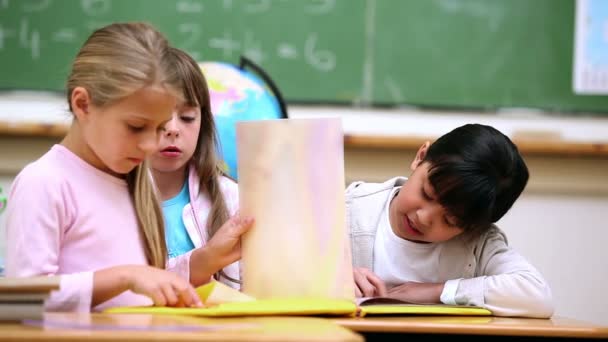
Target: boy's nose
<point>424,218</point>
<point>427,215</point>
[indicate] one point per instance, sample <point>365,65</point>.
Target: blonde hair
<point>205,158</point>
<point>113,63</point>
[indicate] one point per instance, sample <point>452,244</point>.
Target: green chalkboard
<point>480,54</point>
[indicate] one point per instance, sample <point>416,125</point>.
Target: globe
<point>236,95</point>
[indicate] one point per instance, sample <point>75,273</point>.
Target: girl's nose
<point>171,129</point>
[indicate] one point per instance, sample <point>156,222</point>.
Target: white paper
<point>591,48</point>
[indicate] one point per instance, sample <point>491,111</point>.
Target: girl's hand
<point>221,250</point>
<point>225,245</point>
<point>163,287</point>
<point>368,284</point>
<point>418,293</point>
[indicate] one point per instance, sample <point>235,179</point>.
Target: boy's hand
<point>418,293</point>
<point>368,284</point>
<point>163,287</point>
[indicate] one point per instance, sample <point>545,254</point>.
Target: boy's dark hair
<point>477,174</point>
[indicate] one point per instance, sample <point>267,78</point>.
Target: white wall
<point>566,237</point>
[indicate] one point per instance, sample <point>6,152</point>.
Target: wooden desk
<point>476,328</point>
<point>132,327</point>
<point>136,327</point>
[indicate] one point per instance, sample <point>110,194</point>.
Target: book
<point>39,284</point>
<point>223,301</point>
<point>392,306</point>
<point>16,311</point>
<point>297,199</point>
<point>23,298</point>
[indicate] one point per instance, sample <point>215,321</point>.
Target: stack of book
<point>23,298</point>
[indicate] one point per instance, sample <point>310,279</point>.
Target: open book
<point>392,306</point>
<point>223,301</point>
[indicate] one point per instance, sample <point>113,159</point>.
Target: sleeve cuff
<point>180,265</point>
<point>75,294</point>
<point>448,295</point>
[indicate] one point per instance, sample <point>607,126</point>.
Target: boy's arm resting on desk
<point>505,282</point>
<point>413,292</point>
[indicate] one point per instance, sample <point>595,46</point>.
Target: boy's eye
<point>426,195</point>
<point>450,221</point>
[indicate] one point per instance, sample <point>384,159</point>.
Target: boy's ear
<point>80,101</point>
<point>420,155</point>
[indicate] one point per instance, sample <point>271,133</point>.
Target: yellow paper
<point>392,306</point>
<point>223,301</point>
<point>422,309</point>
<point>267,307</point>
<point>215,293</point>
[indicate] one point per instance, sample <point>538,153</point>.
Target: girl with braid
<point>86,211</point>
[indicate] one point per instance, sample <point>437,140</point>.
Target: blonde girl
<point>86,209</point>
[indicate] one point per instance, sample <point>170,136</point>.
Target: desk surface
<point>469,325</point>
<point>132,327</point>
<point>142,327</point>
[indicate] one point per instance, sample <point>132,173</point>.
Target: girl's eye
<point>187,118</point>
<point>135,129</point>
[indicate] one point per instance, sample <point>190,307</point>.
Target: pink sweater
<point>66,217</point>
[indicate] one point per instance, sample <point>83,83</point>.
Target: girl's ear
<point>420,155</point>
<point>81,102</point>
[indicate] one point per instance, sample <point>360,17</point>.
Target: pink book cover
<point>291,180</point>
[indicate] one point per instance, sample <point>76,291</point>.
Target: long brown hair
<point>205,159</point>
<point>113,63</point>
